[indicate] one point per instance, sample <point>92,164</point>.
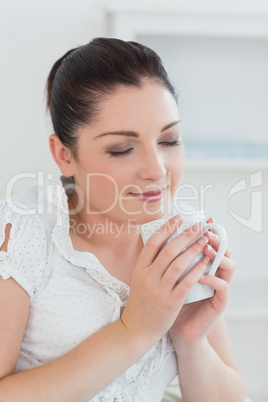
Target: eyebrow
<point>128,133</point>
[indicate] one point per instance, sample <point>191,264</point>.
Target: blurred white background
<point>217,55</point>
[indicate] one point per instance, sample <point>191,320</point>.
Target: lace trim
<point>137,379</point>
<point>156,359</point>
<point>60,237</point>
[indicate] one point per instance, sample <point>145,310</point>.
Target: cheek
<point>103,189</point>
<point>176,169</point>
<point>101,185</point>
<point>103,177</point>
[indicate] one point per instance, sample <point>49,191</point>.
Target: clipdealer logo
<point>254,186</point>
<point>248,190</point>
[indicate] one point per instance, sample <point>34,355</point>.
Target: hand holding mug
<point>199,291</point>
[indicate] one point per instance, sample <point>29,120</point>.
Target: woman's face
<point>131,159</point>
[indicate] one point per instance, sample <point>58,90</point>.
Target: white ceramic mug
<point>199,291</point>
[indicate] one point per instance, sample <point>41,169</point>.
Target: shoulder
<point>31,218</point>
<point>45,205</point>
<point>21,213</point>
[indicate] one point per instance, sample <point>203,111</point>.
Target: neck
<point>102,231</point>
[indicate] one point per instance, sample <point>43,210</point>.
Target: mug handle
<point>222,247</point>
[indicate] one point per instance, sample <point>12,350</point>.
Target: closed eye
<point>174,143</point>
<point>118,154</point>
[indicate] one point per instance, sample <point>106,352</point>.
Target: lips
<point>150,196</point>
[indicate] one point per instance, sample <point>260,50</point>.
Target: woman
<point>87,311</point>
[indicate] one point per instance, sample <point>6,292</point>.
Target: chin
<point>148,212</point>
<point>145,217</point>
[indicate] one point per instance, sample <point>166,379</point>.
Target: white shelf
<point>178,20</point>
<point>238,164</point>
<point>211,8</point>
<point>245,316</point>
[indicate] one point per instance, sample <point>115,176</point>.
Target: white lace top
<point>72,294</point>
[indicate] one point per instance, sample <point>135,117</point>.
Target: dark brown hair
<point>81,78</point>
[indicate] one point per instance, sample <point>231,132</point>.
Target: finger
<point>180,246</point>
<point>213,238</point>
<point>182,288</point>
<point>211,220</point>
<point>158,238</point>
<point>210,252</point>
<point>214,241</point>
<point>226,268</point>
<point>221,288</point>
<point>228,252</point>
<point>179,266</point>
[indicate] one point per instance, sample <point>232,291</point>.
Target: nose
<point>152,166</point>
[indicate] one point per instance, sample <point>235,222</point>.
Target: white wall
<point>33,35</point>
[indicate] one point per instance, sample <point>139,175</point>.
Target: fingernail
<point>203,240</point>
<point>177,219</point>
<point>198,227</point>
<point>210,220</point>
<point>211,249</point>
<point>211,234</point>
<point>206,260</point>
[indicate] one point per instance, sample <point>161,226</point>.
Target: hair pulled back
<point>81,78</point>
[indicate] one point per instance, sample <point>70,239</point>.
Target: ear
<point>61,155</point>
